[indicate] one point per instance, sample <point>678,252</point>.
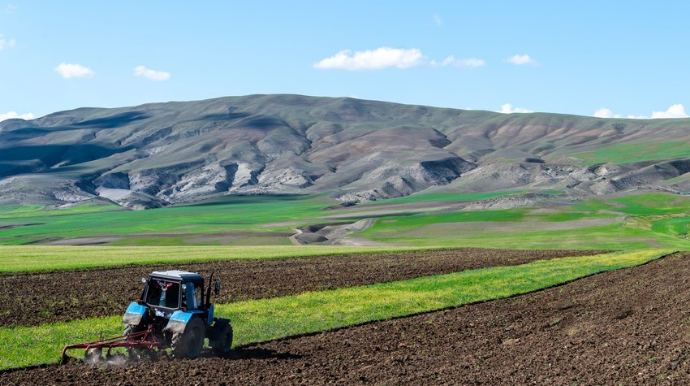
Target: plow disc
<point>143,340</point>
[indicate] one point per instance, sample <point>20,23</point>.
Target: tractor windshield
<point>163,293</point>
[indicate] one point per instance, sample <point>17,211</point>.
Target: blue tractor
<point>175,308</point>
<point>175,312</point>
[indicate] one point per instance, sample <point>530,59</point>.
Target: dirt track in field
<point>29,299</point>
<point>626,327</point>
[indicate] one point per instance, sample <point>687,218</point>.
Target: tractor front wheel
<point>189,343</point>
<point>131,329</point>
<point>133,353</point>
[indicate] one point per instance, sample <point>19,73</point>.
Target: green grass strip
<point>318,311</point>
<point>635,152</point>
<point>261,320</point>
<point>30,258</point>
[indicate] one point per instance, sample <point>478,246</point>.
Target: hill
<point>353,150</point>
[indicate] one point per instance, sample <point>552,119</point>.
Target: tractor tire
<point>222,337</point>
<point>133,354</point>
<point>189,343</point>
<point>131,329</point>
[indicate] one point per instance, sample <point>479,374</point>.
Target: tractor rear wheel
<point>189,343</point>
<point>222,337</point>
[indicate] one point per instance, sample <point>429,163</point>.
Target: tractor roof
<point>178,275</point>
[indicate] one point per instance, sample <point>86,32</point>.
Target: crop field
<point>433,219</point>
<point>417,282</point>
<point>408,307</point>
<point>47,258</point>
<point>627,222</point>
<point>243,279</point>
<point>603,329</point>
<point>240,216</point>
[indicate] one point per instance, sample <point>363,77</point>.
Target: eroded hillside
<point>355,150</point>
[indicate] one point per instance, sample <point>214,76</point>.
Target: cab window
<point>197,295</point>
<point>192,296</point>
<point>163,293</point>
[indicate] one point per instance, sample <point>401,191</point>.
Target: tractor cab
<point>167,291</point>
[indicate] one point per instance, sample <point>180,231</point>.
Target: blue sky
<point>615,58</point>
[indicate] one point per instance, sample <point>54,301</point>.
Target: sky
<point>594,58</point>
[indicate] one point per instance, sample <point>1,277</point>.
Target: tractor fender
<point>178,321</point>
<point>135,312</point>
<point>209,320</point>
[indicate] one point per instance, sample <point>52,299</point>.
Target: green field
<point>235,214</point>
<point>649,220</point>
<point>32,210</point>
<point>635,152</point>
<point>261,320</point>
<point>47,258</point>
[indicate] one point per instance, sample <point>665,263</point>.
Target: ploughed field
<point>630,326</point>
<point>30,299</point>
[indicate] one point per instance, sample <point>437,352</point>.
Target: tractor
<point>173,312</point>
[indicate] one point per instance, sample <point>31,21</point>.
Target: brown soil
<point>29,299</point>
<point>623,327</point>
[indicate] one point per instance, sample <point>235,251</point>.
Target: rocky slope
<point>355,150</point>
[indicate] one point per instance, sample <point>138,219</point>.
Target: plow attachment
<point>93,350</point>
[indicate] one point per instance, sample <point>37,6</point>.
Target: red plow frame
<point>143,339</point>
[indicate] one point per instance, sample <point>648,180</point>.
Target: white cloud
<point>437,19</point>
<point>521,60</point>
<point>509,109</point>
<point>471,62</point>
<point>4,43</point>
<point>605,113</point>
<point>68,71</point>
<point>11,9</point>
<point>14,115</point>
<point>467,63</point>
<point>150,74</point>
<point>386,57</point>
<point>373,59</point>
<point>675,111</point>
